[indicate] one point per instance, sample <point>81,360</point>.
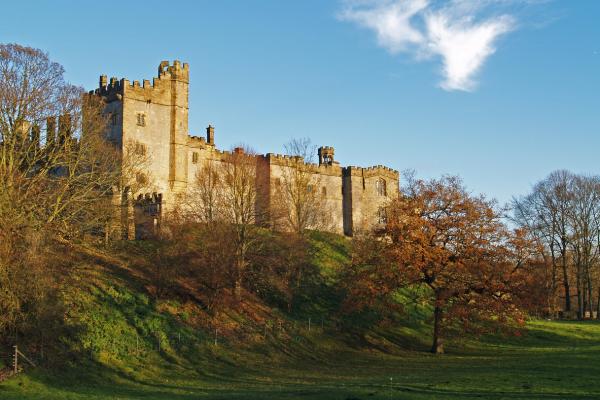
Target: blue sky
<point>500,92</point>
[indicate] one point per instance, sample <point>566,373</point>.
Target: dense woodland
<point>479,267</point>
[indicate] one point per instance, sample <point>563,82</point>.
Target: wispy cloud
<point>462,33</point>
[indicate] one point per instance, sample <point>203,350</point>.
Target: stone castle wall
<point>153,119</point>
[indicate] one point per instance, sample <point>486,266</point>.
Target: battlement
<point>149,198</point>
<point>352,170</point>
<point>177,71</point>
<point>196,141</point>
<point>284,160</point>
<point>116,88</point>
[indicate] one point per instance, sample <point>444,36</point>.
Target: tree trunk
<point>237,290</point>
<point>438,345</point>
<point>598,305</point>
<point>237,285</point>
<point>566,284</point>
<point>580,293</point>
<point>590,294</point>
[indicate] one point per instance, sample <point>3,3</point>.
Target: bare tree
<point>545,213</point>
<point>583,217</point>
<point>57,173</point>
<point>299,198</point>
<point>238,207</point>
<point>563,213</point>
<point>203,202</point>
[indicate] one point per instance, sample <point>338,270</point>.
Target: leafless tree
<point>238,207</point>
<point>545,213</point>
<point>563,214</point>
<point>203,203</point>
<point>57,172</point>
<point>583,218</point>
<point>299,198</point>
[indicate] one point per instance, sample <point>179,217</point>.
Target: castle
<point>154,117</point>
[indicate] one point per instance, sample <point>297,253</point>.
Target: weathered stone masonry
<point>154,116</point>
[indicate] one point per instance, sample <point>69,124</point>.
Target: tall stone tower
<point>152,120</point>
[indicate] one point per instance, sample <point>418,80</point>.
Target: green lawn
<point>555,360</point>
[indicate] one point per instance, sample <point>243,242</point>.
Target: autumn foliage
<point>454,244</point>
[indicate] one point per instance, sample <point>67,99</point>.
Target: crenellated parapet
<point>366,172</point>
<point>177,71</point>
<point>149,203</point>
<point>116,89</point>
<point>283,160</point>
<point>196,142</point>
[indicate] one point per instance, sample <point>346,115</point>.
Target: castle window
<point>140,149</point>
<point>195,157</point>
<point>278,182</point>
<point>382,216</point>
<point>309,189</point>
<point>141,119</point>
<point>324,191</point>
<point>380,187</point>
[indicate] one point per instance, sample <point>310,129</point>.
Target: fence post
<point>16,360</point>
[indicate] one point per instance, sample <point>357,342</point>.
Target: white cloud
<point>391,21</point>
<point>463,46</point>
<point>463,33</point>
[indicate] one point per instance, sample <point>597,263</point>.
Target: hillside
<point>127,345</point>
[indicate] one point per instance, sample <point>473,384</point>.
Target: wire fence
<point>221,335</point>
<point>16,361</point>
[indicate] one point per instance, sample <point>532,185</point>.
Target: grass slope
<point>132,347</point>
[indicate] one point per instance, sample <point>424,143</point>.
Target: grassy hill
<point>127,345</point>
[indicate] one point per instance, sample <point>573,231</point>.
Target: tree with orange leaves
<point>456,245</point>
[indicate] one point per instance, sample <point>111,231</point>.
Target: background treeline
<point>442,247</point>
<point>562,216</point>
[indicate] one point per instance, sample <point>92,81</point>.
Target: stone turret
<point>326,155</point>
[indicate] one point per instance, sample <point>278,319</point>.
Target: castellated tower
<point>152,120</point>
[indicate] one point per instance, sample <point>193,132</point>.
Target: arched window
<point>380,186</point>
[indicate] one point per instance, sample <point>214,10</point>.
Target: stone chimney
<point>210,135</point>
